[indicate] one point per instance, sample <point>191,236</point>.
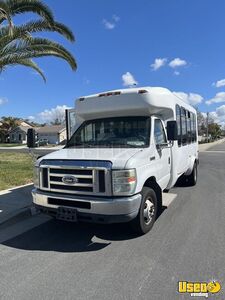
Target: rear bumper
<point>92,209</point>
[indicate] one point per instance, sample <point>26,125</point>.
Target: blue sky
<point>177,44</point>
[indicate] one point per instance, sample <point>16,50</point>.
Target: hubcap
<point>149,210</point>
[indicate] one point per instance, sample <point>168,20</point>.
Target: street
<point>43,259</point>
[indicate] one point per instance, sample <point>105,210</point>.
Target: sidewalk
<point>15,203</point>
<point>207,146</point>
<point>54,148</point>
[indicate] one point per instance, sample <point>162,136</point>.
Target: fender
<point>190,169</point>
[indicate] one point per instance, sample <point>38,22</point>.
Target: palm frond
<point>32,48</point>
<point>18,46</point>
<point>33,27</point>
<point>22,6</point>
<point>30,63</point>
<point>5,14</point>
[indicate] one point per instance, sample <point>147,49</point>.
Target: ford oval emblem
<point>69,179</point>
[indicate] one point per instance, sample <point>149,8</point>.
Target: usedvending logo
<point>199,289</point>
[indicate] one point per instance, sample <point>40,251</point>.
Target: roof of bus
<point>158,90</point>
<point>151,100</point>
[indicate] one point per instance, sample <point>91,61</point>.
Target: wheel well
<point>151,182</point>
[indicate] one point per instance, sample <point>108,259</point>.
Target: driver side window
<point>159,132</point>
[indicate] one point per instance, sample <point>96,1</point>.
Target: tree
<point>214,130</point>
<point>18,46</point>
<point>58,121</point>
<point>201,123</point>
<point>7,125</point>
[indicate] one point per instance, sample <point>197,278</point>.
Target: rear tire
<point>146,217</point>
<point>192,178</point>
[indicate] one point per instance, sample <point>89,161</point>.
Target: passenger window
<point>159,133</point>
<point>184,126</point>
<point>188,127</point>
<point>195,128</point>
<point>178,124</point>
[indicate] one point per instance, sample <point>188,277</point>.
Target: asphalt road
<point>41,259</point>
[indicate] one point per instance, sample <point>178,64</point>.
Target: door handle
<point>152,158</point>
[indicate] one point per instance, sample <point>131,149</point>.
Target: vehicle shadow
<point>60,236</point>
<point>70,237</point>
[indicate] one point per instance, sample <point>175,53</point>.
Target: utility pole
<point>207,127</point>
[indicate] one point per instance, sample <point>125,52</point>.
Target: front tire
<point>146,217</point>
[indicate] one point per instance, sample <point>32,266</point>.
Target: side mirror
<point>172,131</point>
<point>31,138</point>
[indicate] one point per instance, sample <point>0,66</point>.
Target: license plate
<point>66,214</point>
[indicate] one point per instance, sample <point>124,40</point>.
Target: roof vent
<point>142,91</point>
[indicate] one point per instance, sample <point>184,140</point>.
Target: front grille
<point>90,181</point>
<point>85,180</point>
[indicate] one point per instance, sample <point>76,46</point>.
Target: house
<point>55,134</point>
<point>19,134</point>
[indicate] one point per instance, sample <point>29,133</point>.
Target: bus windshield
<point>123,132</point>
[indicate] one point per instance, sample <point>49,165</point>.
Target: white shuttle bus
<point>125,148</point>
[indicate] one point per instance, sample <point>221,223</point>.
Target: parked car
<point>41,142</point>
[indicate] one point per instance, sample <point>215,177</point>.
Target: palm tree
<point>6,125</point>
<point>19,47</point>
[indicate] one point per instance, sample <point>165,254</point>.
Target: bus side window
<point>195,128</point>
<point>183,126</point>
<point>192,128</point>
<point>178,118</point>
<point>188,114</point>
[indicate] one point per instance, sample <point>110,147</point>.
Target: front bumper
<point>93,209</point>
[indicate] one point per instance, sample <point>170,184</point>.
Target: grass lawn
<point>9,145</point>
<point>15,169</point>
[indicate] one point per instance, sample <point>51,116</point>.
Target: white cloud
<point>219,115</point>
<point>3,101</point>
<point>158,63</point>
<point>204,114</point>
<point>219,83</point>
<point>31,118</point>
<point>221,111</point>
<point>218,98</point>
<point>128,79</point>
<point>177,62</point>
<point>108,25</point>
<point>191,98</point>
<point>176,73</point>
<point>50,115</point>
<point>115,18</point>
<point>111,24</point>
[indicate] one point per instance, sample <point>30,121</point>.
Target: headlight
<point>36,177</point>
<point>124,182</point>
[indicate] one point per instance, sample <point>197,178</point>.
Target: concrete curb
<point>205,147</point>
<point>2,192</point>
<point>17,216</point>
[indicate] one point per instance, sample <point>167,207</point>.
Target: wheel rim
<point>149,211</point>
